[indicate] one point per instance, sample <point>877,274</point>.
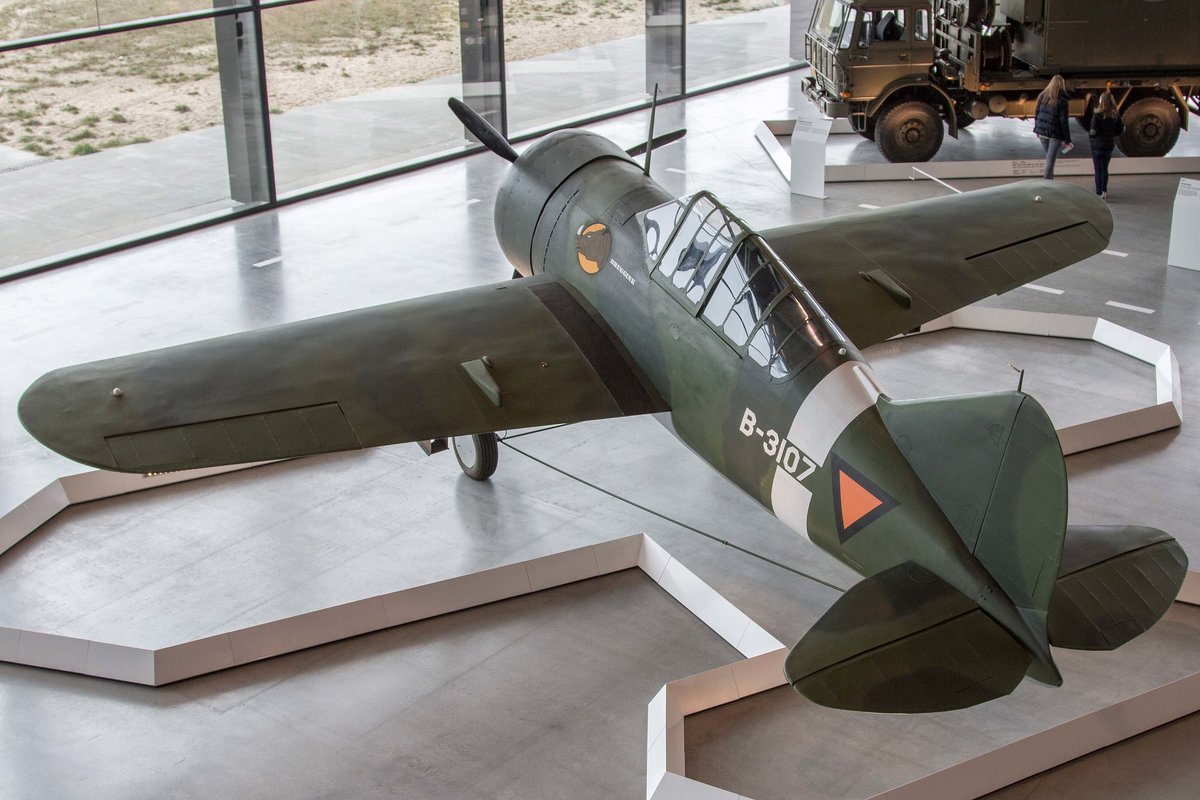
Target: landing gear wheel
<point>1151,127</point>
<point>478,455</point>
<point>909,131</point>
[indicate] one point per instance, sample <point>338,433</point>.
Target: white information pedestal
<point>808,155</point>
<point>1184,249</point>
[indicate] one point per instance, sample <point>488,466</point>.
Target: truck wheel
<point>909,131</point>
<point>478,455</point>
<point>963,120</point>
<point>869,133</point>
<point>1151,127</point>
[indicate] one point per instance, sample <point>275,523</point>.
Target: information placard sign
<point>1184,249</point>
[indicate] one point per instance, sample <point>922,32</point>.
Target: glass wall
<point>122,119</point>
<point>727,39</point>
<point>358,85</point>
<point>110,136</point>
<point>570,59</point>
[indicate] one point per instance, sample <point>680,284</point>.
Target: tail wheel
<point>478,455</point>
<point>1151,127</point>
<point>910,130</point>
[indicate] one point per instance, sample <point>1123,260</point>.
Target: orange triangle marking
<point>857,502</point>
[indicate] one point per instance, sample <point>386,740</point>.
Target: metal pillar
<point>666,47</point>
<point>801,17</point>
<point>481,40</point>
<point>243,104</point>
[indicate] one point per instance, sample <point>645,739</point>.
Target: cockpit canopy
<point>716,267</point>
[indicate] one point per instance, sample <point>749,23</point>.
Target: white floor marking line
<point>676,170</point>
<point>866,205</point>
<point>1045,289</point>
<point>1128,307</point>
<point>473,201</point>
<point>268,262</point>
<point>1116,253</point>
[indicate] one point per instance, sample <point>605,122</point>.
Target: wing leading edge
<point>517,354</point>
<point>886,272</point>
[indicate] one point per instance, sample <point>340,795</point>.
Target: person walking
<point>1105,128</point>
<point>1052,124</point>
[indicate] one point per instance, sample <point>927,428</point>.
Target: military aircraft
<point>746,345</point>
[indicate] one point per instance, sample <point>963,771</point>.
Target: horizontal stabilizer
<point>1114,583</point>
<point>903,641</point>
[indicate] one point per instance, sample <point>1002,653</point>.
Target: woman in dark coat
<point>1052,124</point>
<point>1106,127</point>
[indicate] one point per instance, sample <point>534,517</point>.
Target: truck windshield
<point>834,21</point>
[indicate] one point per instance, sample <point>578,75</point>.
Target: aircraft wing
<point>517,354</point>
<point>886,272</point>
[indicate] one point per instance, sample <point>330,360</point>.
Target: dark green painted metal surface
<point>634,302</point>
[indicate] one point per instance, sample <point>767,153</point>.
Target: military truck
<point>906,71</point>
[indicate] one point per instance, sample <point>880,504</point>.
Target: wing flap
<point>944,253</point>
<point>391,373</point>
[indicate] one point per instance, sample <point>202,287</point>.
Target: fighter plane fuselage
<point>633,301</point>
<point>772,428</point>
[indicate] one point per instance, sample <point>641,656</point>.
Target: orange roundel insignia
<point>592,245</point>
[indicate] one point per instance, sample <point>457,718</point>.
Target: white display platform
<point>768,132</point>
<point>1167,411</point>
<point>246,645</point>
<point>760,671</point>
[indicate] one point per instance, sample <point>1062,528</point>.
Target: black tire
<point>910,130</point>
<point>1151,128</point>
<point>963,120</point>
<point>869,133</point>
<point>478,455</point>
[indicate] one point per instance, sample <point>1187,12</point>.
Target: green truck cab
<point>872,63</point>
<point>906,71</point>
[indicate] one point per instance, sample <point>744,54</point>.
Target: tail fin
<point>904,641</point>
<point>1115,582</point>
<point>910,640</point>
<point>994,465</point>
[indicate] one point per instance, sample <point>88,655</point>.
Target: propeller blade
<point>657,141</point>
<point>482,130</point>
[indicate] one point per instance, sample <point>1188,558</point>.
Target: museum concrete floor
<point>542,696</point>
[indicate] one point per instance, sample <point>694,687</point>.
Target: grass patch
<point>84,149</point>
